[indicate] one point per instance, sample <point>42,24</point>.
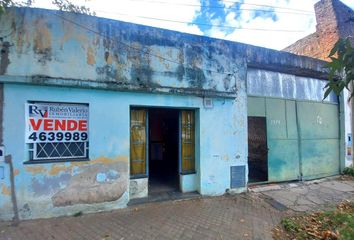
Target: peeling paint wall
<point>111,65</point>
<point>120,55</point>
<point>42,48</point>
<point>53,189</point>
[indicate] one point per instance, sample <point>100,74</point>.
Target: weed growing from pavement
<point>335,224</point>
<point>349,171</point>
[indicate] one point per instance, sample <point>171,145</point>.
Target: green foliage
<point>64,5</point>
<point>290,225</point>
<point>10,3</point>
<point>342,221</point>
<point>78,214</point>
<point>349,171</point>
<point>335,224</point>
<point>342,64</point>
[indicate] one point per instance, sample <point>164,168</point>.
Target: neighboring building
<point>96,112</point>
<point>335,20</point>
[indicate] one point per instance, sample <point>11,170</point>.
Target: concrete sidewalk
<point>243,216</point>
<point>306,196</point>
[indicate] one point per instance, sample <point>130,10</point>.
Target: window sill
<point>139,176</point>
<point>56,160</point>
<point>188,173</point>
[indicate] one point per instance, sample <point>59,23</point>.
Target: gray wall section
<point>275,84</point>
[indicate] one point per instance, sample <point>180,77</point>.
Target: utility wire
<point>293,11</point>
<point>261,5</point>
<point>134,48</point>
<point>202,24</point>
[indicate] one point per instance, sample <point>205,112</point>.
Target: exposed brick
<point>334,20</point>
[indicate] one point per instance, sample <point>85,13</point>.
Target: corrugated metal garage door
<point>303,133</point>
<point>282,140</point>
<point>319,134</point>
<point>303,137</point>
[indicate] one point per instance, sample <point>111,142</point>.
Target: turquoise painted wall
<point>222,137</point>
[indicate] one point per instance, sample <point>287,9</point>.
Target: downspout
<point>15,219</point>
<point>8,159</point>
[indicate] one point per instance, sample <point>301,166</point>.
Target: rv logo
<point>38,111</point>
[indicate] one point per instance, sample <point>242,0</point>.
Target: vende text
<point>58,124</point>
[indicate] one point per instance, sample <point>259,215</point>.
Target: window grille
<point>58,150</point>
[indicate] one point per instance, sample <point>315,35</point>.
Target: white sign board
<point>56,122</point>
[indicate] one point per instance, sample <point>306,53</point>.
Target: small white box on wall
<point>2,154</point>
<point>208,102</point>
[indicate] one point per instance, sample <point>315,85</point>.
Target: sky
<point>273,24</point>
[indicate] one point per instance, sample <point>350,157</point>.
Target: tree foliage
<point>341,68</point>
<point>64,5</point>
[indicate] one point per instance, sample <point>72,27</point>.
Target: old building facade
<point>96,112</point>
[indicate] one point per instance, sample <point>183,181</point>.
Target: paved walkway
<point>306,196</point>
<point>243,216</point>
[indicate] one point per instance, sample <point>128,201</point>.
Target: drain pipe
<point>15,219</point>
<point>8,160</point>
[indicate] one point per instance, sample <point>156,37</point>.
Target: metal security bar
<point>58,150</point>
<point>138,142</point>
<point>187,141</point>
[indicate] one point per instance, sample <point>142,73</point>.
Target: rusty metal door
<point>257,149</point>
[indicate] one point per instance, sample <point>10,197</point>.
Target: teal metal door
<point>282,140</point>
<point>302,137</point>
<point>319,139</point>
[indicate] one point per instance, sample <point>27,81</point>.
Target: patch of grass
<point>349,171</point>
<point>290,225</point>
<point>78,214</point>
<point>335,224</point>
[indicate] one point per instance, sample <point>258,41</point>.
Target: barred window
<point>56,151</point>
<point>57,131</point>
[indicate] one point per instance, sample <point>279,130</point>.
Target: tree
<point>342,65</point>
<point>64,5</point>
<point>341,72</point>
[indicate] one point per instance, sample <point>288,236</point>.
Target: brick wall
<point>334,20</point>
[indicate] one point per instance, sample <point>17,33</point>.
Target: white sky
<point>129,10</point>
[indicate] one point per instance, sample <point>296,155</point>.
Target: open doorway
<point>163,148</point>
<point>257,150</point>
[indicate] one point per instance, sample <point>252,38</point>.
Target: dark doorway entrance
<point>257,150</point>
<point>163,150</point>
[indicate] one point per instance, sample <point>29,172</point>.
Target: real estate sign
<point>56,122</point>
